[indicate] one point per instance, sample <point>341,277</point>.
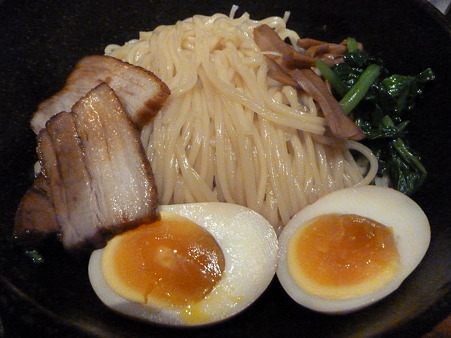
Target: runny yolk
<point>172,261</point>
<point>342,256</point>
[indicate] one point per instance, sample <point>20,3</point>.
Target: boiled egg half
<point>200,263</point>
<point>351,248</point>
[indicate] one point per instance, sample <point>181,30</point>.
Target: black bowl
<point>40,41</point>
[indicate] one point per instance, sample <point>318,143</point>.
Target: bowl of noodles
<point>237,157</point>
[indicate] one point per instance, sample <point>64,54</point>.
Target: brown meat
<point>35,217</point>
<point>140,91</point>
<point>101,182</point>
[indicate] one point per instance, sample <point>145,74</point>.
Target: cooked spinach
<point>378,102</point>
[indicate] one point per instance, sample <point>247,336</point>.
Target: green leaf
<point>379,111</point>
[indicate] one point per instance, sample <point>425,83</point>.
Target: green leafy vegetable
<point>410,172</point>
<point>351,44</point>
<point>359,90</point>
<point>35,256</point>
<point>378,101</point>
<point>333,79</point>
<point>400,92</point>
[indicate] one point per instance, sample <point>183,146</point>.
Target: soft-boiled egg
<point>351,248</point>
<point>199,264</point>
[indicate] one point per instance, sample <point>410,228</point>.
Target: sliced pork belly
<point>140,91</point>
<point>35,217</point>
<point>101,182</point>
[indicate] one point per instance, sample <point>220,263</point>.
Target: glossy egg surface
<point>351,248</point>
<point>249,247</point>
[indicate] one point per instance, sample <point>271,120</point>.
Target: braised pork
<point>35,217</point>
<point>101,182</point>
<point>140,91</point>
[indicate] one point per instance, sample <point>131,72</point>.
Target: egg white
<point>410,228</point>
<point>250,248</point>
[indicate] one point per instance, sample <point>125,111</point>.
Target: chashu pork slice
<point>140,91</point>
<point>101,182</point>
<point>35,217</point>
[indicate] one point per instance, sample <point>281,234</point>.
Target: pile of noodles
<point>228,132</point>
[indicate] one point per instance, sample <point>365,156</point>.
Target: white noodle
<point>228,132</point>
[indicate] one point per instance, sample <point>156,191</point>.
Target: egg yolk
<point>172,261</point>
<point>342,256</point>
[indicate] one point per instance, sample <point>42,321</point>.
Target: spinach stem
<point>408,156</point>
<point>351,44</point>
<point>360,88</point>
<point>333,79</point>
<point>387,121</point>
